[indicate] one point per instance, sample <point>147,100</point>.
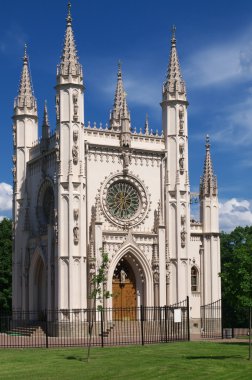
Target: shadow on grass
<point>78,358</point>
<point>217,357</point>
<point>236,343</point>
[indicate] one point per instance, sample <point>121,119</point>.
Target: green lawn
<point>190,360</point>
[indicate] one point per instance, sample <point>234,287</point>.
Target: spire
<point>208,182</point>
<point>174,82</point>
<point>69,65</point>
<point>25,96</point>
<point>45,130</point>
<point>46,125</point>
<point>120,109</point>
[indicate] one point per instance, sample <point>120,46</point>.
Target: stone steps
<point>29,331</point>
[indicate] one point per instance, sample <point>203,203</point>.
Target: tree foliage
<point>5,264</point>
<point>236,275</point>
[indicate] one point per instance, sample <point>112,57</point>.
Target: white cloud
<point>235,125</point>
<point>233,213</point>
<point>227,61</point>
<point>139,91</point>
<point>5,197</point>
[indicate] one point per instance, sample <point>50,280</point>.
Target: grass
<point>190,360</point>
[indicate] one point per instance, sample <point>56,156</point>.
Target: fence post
<point>188,319</point>
<point>46,320</point>
<point>165,309</point>
<point>142,323</point>
<point>102,335</point>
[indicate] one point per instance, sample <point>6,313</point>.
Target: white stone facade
<point>85,188</point>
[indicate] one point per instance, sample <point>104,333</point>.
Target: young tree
<point>5,265</point>
<point>98,293</point>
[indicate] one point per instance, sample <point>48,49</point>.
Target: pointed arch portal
<point>124,291</point>
<point>37,283</point>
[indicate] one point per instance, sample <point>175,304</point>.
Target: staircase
<point>29,331</point>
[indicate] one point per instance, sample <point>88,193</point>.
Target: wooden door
<point>124,292</point>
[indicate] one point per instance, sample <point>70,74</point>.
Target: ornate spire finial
<point>174,34</point>
<point>25,53</point>
<point>69,17</point>
<point>207,141</point>
<point>119,73</point>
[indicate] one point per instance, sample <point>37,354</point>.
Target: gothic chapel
<point>87,187</point>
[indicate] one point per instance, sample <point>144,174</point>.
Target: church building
<point>83,189</point>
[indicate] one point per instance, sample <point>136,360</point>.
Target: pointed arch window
<point>194,279</point>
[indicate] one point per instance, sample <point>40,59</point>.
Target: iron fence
<point>110,326</point>
<point>211,320</point>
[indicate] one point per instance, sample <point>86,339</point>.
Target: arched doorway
<point>124,291</point>
<point>37,285</point>
<point>40,286</point>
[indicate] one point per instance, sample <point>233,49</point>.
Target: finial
<point>25,52</point>
<point>207,142</point>
<point>119,67</point>
<point>147,124</point>
<point>173,34</point>
<point>69,17</point>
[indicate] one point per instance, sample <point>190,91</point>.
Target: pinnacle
<point>25,92</point>
<point>69,64</point>
<point>120,108</point>
<point>146,124</point>
<point>45,126</point>
<point>174,81</point>
<point>25,87</point>
<point>45,117</point>
<point>208,182</point>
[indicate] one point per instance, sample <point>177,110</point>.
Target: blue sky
<point>214,41</point>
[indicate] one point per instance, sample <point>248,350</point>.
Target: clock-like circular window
<point>122,200</point>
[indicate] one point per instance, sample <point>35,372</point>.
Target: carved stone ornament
<point>75,106</point>
<point>123,276</point>
<point>156,277</point>
<point>183,238</point>
<point>76,214</point>
<point>75,154</point>
<point>181,163</point>
<point>76,235</point>
<point>56,225</point>
<point>57,150</point>
<point>183,219</point>
<point>126,160</point>
<point>57,107</point>
<point>181,120</point>
<point>181,149</point>
<point>75,136</point>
